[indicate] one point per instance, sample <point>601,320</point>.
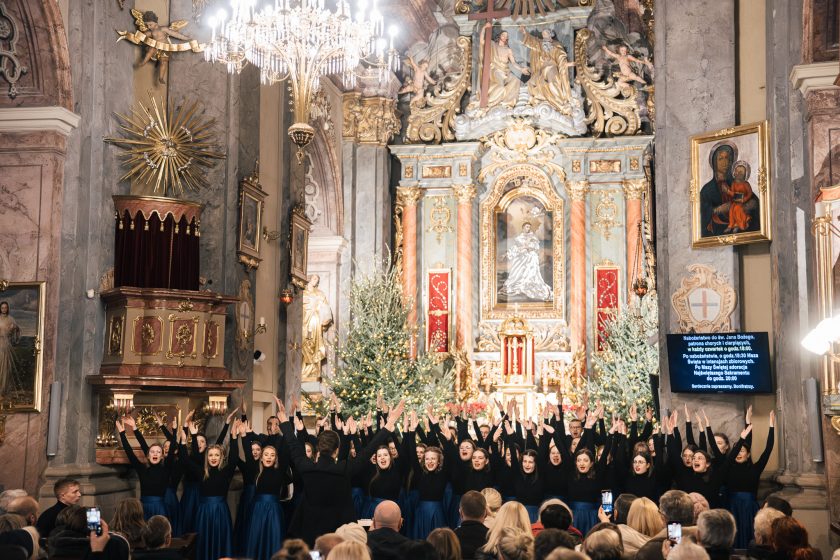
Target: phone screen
<point>675,532</point>
<point>93,520</point>
<point>607,501</point>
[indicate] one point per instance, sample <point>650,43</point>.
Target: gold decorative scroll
<point>432,117</point>
<point>521,143</point>
<point>370,120</point>
<point>606,214</point>
<point>610,111</point>
<point>140,38</point>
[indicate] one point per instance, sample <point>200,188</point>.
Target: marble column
<point>634,190</point>
<point>578,191</point>
<point>407,199</point>
<point>464,267</point>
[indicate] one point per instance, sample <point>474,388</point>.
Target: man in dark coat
<point>384,538</point>
<point>327,502</point>
<point>472,534</point>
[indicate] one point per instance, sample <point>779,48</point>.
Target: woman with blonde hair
<point>446,543</point>
<point>494,502</point>
<point>515,544</point>
<point>512,515</point>
<point>350,550</point>
<point>644,517</point>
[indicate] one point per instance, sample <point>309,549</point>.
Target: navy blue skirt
<point>189,507</point>
<point>370,507</point>
<point>243,514</point>
<point>427,517</point>
<point>743,506</point>
<point>359,501</point>
<point>585,515</point>
<point>173,510</point>
<point>412,497</point>
<point>153,505</point>
<point>212,523</point>
<point>265,528</point>
<point>453,516</point>
<point>533,513</point>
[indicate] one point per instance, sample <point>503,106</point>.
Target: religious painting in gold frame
<point>522,247</point>
<point>730,186</point>
<point>299,247</point>
<point>251,202</point>
<point>22,308</point>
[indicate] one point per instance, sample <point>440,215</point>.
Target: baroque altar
<point>523,192</point>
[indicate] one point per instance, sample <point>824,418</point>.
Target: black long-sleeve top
<point>217,482</point>
<point>273,480</point>
<point>176,471</point>
<point>529,489</point>
<point>386,483</point>
<point>458,468</point>
<point>430,485</point>
<point>555,477</point>
<point>744,477</point>
<point>153,478</point>
<point>586,488</point>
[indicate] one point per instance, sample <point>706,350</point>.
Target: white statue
<point>317,318</point>
<point>524,275</point>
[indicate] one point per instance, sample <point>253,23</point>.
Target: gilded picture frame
<point>730,186</point>
<point>299,247</point>
<point>522,188</point>
<point>251,205</point>
<point>22,310</point>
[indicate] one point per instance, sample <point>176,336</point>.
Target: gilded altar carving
<point>613,107</point>
<point>147,334</point>
<point>431,117</point>
<point>634,164</point>
<point>408,196</point>
<point>521,143</point>
<point>464,194</point>
<point>605,166</point>
<point>577,189</point>
<point>115,335</point>
<point>440,217</point>
<point>182,331</point>
<point>705,301</point>
<point>408,172</point>
<point>370,120</point>
<point>606,214</point>
<point>634,189</point>
<point>576,166</point>
<point>436,171</point>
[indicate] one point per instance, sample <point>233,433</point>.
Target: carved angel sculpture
<point>157,40</point>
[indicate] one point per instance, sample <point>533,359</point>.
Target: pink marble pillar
<point>463,275</point>
<point>577,296</point>
<point>633,191</point>
<point>407,198</point>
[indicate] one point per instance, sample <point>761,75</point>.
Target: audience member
<point>512,515</point>
<point>8,496</point>
<point>384,538</point>
<point>494,503</point>
<point>350,550</point>
<point>325,543</point>
<point>293,549</point>
<point>129,522</point>
<point>26,507</point>
<point>70,537</point>
<point>676,507</point>
<point>621,507</point>
<point>603,543</point>
<point>776,502</point>
<point>446,543</point>
<point>564,554</point>
<point>558,516</point>
<point>25,538</point>
<point>352,532</point>
<point>418,550</point>
<point>67,493</point>
<point>472,534</point>
<point>636,534</point>
<point>761,547</point>
<point>701,504</point>
<point>11,522</point>
<point>515,544</point>
<point>157,536</point>
<point>687,550</point>
<point>550,539</point>
<point>790,541</point>
<point>716,533</point>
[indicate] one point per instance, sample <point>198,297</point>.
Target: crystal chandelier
<point>302,40</point>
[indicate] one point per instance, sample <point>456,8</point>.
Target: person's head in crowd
<point>688,454</point>
<point>778,503</point>
<point>493,499</point>
<point>129,522</point>
<point>622,507</point>
<point>272,425</point>
<point>761,526</point>
<point>446,543</point>
<point>26,507</point>
<point>701,462</point>
<point>293,549</point>
<point>68,491</point>
<point>473,506</point>
<point>644,517</point>
<point>418,550</point>
<point>642,462</point>
<point>157,533</point>
<point>350,550</point>
<point>722,441</point>
<point>676,506</point>
<point>515,544</point>
<point>836,555</point>
<point>701,504</point>
<point>512,515</point>
<point>326,542</point>
<point>432,459</point>
<point>353,532</point>
<point>26,538</point>
<point>688,550</point>
<point>387,515</point>
<point>565,554</point>
<point>550,539</point>
<point>584,463</point>
<point>8,496</point>
<point>556,516</point>
<point>11,522</point>
<point>72,518</point>
<point>603,542</point>
<point>789,539</point>
<point>716,529</point>
<point>327,444</point>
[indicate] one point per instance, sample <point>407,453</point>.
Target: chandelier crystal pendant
<point>303,40</point>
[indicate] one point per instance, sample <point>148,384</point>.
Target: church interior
<point>562,204</point>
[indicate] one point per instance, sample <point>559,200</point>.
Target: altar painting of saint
<point>730,186</point>
<point>523,253</point>
<point>21,332</point>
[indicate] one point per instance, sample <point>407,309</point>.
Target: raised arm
<point>768,447</point>
<point>129,452</point>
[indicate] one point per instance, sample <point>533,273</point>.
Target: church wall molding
<point>817,75</point>
<point>37,119</point>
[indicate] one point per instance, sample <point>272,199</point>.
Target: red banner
<point>437,310</point>
<point>607,278</point>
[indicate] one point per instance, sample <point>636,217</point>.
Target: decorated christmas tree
<point>621,372</point>
<point>374,359</point>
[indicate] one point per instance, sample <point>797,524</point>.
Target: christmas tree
<point>630,355</point>
<point>374,360</point>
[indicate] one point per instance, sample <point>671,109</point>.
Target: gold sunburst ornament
<point>166,148</point>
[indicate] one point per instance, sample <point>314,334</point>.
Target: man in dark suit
<point>327,501</point>
<point>384,538</point>
<point>67,493</point>
<point>472,534</point>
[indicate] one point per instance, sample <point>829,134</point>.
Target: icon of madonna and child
<point>524,254</point>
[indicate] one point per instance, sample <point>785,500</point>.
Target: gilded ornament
<point>577,189</point>
<point>115,336</point>
<point>606,212</point>
<point>576,166</point>
<point>370,120</point>
<point>605,166</point>
<point>464,193</point>
<point>408,173</point>
<point>704,290</point>
<point>835,423</point>
<point>436,171</point>
<point>166,148</point>
<point>440,216</point>
<point>519,143</point>
<point>408,196</point>
<point>462,169</point>
<point>634,189</point>
<point>634,164</point>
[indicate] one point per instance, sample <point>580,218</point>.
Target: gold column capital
<point>634,189</point>
<point>369,120</point>
<point>464,193</point>
<point>408,196</point>
<point>577,189</point>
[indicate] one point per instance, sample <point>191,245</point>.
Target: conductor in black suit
<point>327,501</point>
